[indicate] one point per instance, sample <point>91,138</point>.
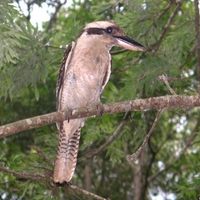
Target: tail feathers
<point>67,156</point>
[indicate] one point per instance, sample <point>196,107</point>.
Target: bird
<point>84,73</point>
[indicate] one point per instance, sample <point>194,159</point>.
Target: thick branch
<point>155,103</point>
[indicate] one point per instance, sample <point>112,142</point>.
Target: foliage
<point>29,65</point>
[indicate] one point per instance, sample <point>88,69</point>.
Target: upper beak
<point>128,43</point>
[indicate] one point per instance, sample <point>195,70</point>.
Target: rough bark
<point>154,103</point>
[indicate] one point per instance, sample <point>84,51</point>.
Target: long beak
<point>128,43</point>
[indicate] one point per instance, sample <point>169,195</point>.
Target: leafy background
<point>29,63</point>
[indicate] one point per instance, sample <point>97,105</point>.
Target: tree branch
<point>118,130</point>
<point>188,142</point>
<point>30,176</point>
<point>47,182</point>
<point>85,192</point>
<point>133,157</point>
<point>158,16</point>
<point>40,153</point>
<point>197,36</point>
<point>164,78</point>
<point>167,26</point>
<point>155,103</point>
<point>54,15</point>
<point>131,63</point>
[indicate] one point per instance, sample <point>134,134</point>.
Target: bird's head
<point>111,35</point>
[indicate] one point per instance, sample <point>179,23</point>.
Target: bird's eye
<point>109,30</point>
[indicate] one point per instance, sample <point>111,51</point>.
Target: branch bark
<point>155,103</point>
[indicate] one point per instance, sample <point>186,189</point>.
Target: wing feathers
<point>62,72</point>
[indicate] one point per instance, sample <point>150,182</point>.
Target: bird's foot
<point>62,184</point>
<point>100,109</point>
<point>68,112</point>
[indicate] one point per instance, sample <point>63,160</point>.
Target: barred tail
<point>66,159</point>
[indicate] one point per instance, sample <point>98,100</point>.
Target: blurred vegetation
<point>29,63</point>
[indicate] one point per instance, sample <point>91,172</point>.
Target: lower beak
<point>128,43</point>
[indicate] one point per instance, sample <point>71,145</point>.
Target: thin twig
<point>55,47</point>
<point>47,182</point>
<point>187,145</point>
<point>133,157</point>
<point>160,146</point>
<point>165,79</point>
<point>53,18</point>
<point>94,152</point>
<point>167,26</point>
<point>169,5</point>
<point>130,63</point>
<point>188,142</point>
<point>29,176</point>
<point>89,194</point>
<point>189,56</point>
<point>169,79</point>
<point>118,51</point>
<point>23,174</point>
<point>40,153</point>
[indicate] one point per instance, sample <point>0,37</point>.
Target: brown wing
<point>62,74</point>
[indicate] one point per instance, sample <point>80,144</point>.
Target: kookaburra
<point>84,73</point>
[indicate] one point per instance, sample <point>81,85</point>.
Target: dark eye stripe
<point>95,31</point>
<point>99,31</point>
